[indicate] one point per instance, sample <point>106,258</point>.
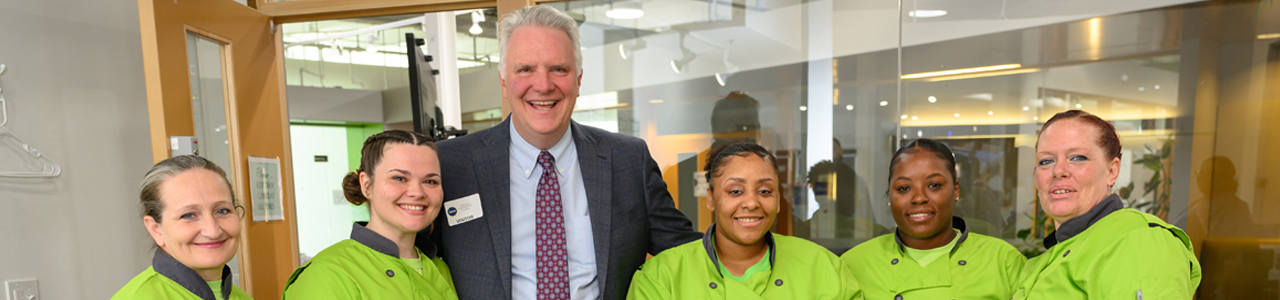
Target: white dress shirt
<point>525,174</point>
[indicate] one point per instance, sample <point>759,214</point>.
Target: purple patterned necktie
<point>553,259</point>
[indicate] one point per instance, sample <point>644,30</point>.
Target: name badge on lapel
<point>462,210</point>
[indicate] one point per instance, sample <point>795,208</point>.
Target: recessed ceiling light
<point>991,113</point>
<point>927,13</point>
<point>1157,86</point>
<point>957,115</point>
<point>933,99</point>
<point>1078,105</point>
<point>848,107</point>
<point>804,108</point>
<point>1035,118</point>
<point>904,117</point>
<point>1142,89</point>
<point>919,133</point>
<point>913,118</point>
<point>1026,108</point>
<point>884,103</point>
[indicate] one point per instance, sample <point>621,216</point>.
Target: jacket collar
<point>708,243</point>
<point>1080,223</point>
<point>956,222</point>
<point>187,278</point>
<point>383,245</point>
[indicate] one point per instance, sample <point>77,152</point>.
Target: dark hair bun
<point>351,189</point>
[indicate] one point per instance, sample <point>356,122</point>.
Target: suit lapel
<point>493,167</point>
<point>597,175</point>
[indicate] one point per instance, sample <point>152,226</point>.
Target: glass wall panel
<point>833,87</point>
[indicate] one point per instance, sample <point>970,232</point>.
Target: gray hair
<point>162,171</point>
<point>537,15</point>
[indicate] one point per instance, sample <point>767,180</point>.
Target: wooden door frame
<point>253,85</point>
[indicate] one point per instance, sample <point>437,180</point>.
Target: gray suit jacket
<point>631,211</point>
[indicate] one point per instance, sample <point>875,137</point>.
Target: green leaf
<point>1153,165</point>
<point>1022,234</point>
<point>1126,191</point>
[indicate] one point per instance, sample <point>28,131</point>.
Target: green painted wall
<point>356,134</point>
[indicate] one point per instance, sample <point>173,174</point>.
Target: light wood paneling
<point>313,10</point>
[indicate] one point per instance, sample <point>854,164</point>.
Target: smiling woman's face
<point>198,225</point>
<point>744,199</point>
<point>922,194</point>
<point>1073,173</point>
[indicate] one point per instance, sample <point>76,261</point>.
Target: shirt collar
<point>187,278</point>
<point>1076,225</point>
<point>956,222</point>
<point>526,155</point>
<point>708,243</point>
<point>377,242</point>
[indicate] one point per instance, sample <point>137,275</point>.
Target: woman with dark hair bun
<point>738,258</point>
<point>932,254</point>
<point>399,179</point>
<point>1099,250</point>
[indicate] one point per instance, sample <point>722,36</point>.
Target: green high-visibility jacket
<point>169,279</point>
<point>1112,253</point>
<point>368,266</point>
<point>800,269</point>
<point>978,267</point>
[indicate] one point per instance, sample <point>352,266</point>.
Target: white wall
<point>324,215</point>
<point>313,103</point>
<point>480,89</point>
<point>76,92</point>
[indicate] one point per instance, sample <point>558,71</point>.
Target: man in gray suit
<point>541,207</point>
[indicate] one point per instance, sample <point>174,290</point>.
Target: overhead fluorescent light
<point>980,96</point>
<point>1269,36</point>
<point>624,13</point>
<point>926,13</point>
<point>961,71</point>
<point>983,74</point>
<point>624,10</point>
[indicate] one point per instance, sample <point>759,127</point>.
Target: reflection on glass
<point>980,77</point>
<point>208,107</point>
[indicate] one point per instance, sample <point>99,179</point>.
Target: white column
<point>819,102</point>
<point>445,52</point>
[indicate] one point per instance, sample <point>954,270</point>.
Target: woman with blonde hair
<point>190,211</point>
